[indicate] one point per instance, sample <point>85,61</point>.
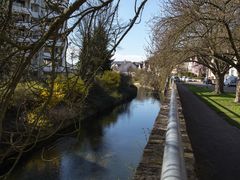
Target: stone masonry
<point>150,166</point>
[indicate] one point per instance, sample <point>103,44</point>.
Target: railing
<point>173,167</point>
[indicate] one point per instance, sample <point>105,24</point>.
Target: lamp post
<point>72,54</point>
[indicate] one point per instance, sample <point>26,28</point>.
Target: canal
<point>107,148</point>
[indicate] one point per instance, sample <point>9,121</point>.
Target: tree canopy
<point>208,30</point>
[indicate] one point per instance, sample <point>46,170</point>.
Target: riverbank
<point>98,102</point>
<point>105,147</point>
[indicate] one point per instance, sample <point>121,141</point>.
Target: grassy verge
<point>223,104</point>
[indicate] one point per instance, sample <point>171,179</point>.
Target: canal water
<point>107,148</point>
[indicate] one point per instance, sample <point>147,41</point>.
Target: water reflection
<point>109,147</point>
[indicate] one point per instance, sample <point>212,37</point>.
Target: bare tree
<point>17,53</point>
<point>195,28</point>
<point>218,68</point>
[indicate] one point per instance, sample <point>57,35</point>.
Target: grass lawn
<point>223,104</point>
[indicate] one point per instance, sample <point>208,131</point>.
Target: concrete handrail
<point>173,167</point>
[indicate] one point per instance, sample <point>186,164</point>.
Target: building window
<point>21,18</point>
<point>47,62</point>
<point>35,34</point>
<point>20,3</point>
<point>34,20</point>
<point>34,7</point>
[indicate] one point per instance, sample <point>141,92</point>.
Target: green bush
<point>23,93</point>
<point>74,86</point>
<point>188,74</point>
<point>57,95</point>
<point>110,80</point>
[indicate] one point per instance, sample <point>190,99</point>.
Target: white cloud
<point>128,57</point>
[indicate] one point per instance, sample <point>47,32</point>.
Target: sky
<point>133,46</point>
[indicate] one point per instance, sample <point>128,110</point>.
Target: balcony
<point>36,2</point>
<point>20,8</point>
<point>51,14</point>
<point>46,55</point>
<point>59,43</point>
<point>35,14</point>
<point>23,23</point>
<point>26,40</point>
<point>58,69</point>
<point>36,37</point>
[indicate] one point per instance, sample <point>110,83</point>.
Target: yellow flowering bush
<point>63,88</point>
<point>57,94</point>
<point>71,87</point>
<point>37,120</point>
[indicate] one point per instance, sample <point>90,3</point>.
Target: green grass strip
<point>223,104</point>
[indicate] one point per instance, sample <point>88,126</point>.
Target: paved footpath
<point>215,143</point>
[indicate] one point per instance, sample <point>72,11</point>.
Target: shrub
<point>35,91</point>
<point>110,80</point>
<point>69,88</point>
<point>36,119</point>
<point>26,91</point>
<point>57,94</point>
<point>64,88</point>
<point>125,80</point>
<point>188,74</point>
<point>74,85</point>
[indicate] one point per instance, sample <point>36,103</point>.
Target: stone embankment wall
<point>151,164</point>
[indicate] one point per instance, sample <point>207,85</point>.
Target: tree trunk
<point>237,98</point>
<point>219,83</point>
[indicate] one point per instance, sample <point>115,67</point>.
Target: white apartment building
<point>232,72</point>
<point>32,19</point>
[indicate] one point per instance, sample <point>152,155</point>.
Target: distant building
<point>192,67</point>
<point>28,15</point>
<point>196,68</point>
<point>125,67</point>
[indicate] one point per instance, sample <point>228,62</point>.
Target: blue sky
<point>133,45</point>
